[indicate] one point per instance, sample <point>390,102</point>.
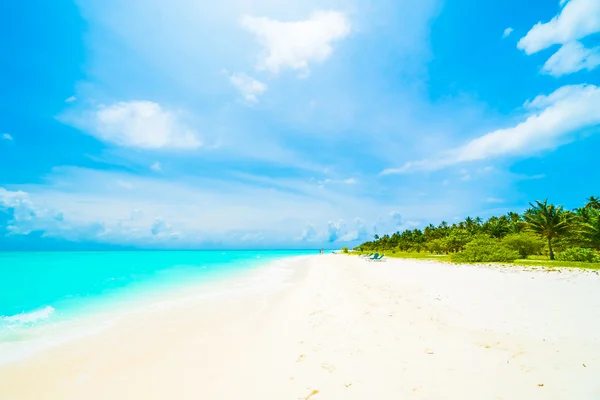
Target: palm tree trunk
<point>550,248</point>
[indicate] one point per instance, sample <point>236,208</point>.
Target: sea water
<point>50,297</point>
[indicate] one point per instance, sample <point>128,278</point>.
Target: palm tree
<point>515,224</point>
<point>593,203</point>
<point>590,229</point>
<point>497,227</point>
<point>548,221</point>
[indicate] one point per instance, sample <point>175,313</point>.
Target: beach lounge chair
<point>380,258</point>
<point>375,257</point>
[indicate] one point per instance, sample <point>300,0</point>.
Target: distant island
<point>543,231</point>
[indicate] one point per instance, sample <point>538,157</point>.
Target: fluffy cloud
<point>10,199</point>
<point>249,87</point>
<point>335,230</point>
<point>156,167</point>
<point>507,32</point>
<point>577,19</point>
<point>296,44</point>
<point>149,210</point>
<point>70,99</point>
<point>554,120</point>
<point>572,57</point>
<point>7,136</point>
<point>25,217</point>
<point>138,124</point>
<point>358,234</point>
<point>564,112</point>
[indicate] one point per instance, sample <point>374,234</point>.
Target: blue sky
<point>259,124</point>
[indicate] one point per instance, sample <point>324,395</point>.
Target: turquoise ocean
<point>50,297</point>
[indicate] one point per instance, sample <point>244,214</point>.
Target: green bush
<point>525,244</point>
<point>456,241</point>
<point>485,249</point>
<point>436,246</point>
<point>579,254</point>
<point>344,250</point>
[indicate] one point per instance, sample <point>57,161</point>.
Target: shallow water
<point>43,294</point>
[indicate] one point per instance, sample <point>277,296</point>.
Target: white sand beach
<point>343,328</point>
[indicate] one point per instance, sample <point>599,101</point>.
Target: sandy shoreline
<point>343,328</point>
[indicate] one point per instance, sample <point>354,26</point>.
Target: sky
<point>241,124</point>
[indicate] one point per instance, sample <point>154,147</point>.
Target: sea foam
<point>29,317</point>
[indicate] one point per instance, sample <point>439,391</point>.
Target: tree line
<point>543,229</point>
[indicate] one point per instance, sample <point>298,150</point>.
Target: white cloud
<point>559,114</point>
<point>70,99</point>
<point>138,124</point>
<point>25,216</point>
<point>335,230</point>
<point>359,233</point>
<point>555,119</point>
<point>198,211</point>
<point>7,136</point>
<point>507,32</point>
<point>572,57</point>
<point>350,181</point>
<point>156,167</point>
<point>578,19</point>
<point>249,87</point>
<point>10,199</point>
<point>296,44</point>
<point>494,200</point>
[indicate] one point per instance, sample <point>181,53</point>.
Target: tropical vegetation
<point>543,230</point>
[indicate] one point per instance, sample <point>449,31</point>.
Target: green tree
<point>590,229</point>
<point>548,221</point>
<point>496,227</point>
<point>593,203</point>
<point>436,246</point>
<point>515,222</point>
<point>456,241</point>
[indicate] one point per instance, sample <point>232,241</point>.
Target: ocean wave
<point>29,317</point>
